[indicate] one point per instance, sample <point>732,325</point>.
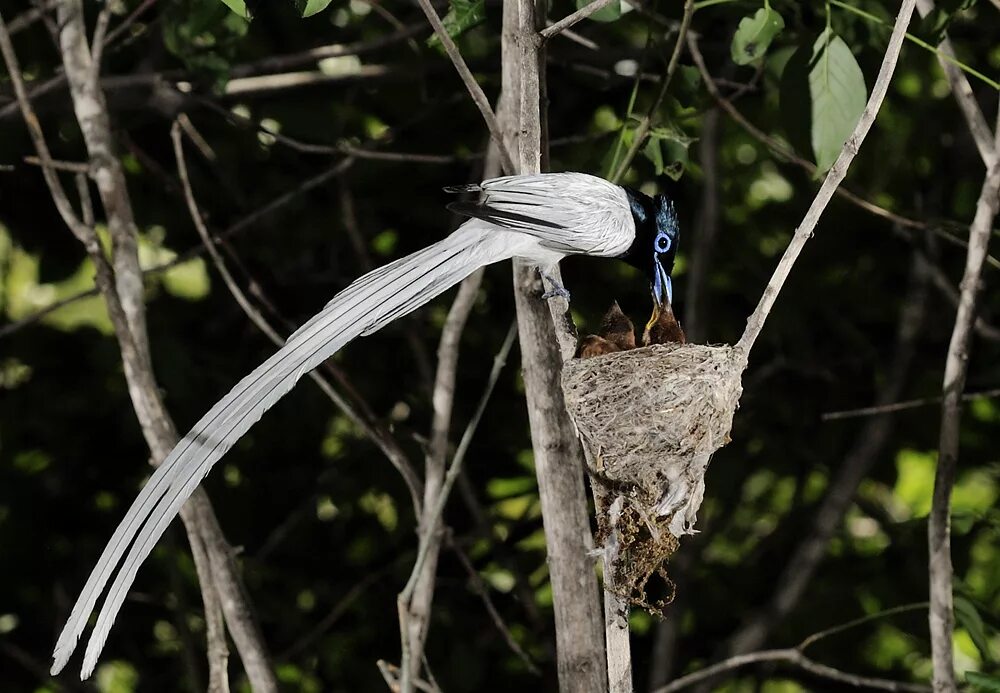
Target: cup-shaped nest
<point>651,419</point>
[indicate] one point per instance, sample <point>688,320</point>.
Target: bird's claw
<point>556,290</point>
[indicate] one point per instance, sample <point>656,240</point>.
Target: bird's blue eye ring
<point>662,243</point>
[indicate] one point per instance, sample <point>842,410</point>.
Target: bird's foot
<point>556,290</point>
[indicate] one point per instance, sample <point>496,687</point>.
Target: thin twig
<point>475,91</point>
<point>648,120</point>
<point>480,588</point>
<point>127,22</point>
<point>215,626</point>
<point>29,17</point>
<point>284,63</point>
<point>836,174</point>
<point>903,406</point>
<point>578,16</point>
<point>796,658</point>
<point>69,166</point>
<point>782,151</point>
<point>836,630</point>
<point>418,605</point>
<point>230,232</point>
<point>956,368</point>
<point>432,516</point>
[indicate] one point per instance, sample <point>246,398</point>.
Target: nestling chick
<point>617,328</point>
<point>663,327</point>
<point>616,334</point>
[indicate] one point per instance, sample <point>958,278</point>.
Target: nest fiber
<point>651,419</point>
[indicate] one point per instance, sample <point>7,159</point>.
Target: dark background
<point>322,519</point>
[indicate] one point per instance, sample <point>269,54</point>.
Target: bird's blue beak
<point>663,288</point>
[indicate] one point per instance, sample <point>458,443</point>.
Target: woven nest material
<point>651,419</point>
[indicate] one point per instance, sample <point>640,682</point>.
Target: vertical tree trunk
<point>558,456</point>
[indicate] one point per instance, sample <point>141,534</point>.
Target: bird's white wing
<point>367,305</point>
<point>568,212</point>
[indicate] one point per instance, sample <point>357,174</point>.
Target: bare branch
<point>127,22</point>
<point>215,626</point>
<point>796,658</point>
<point>418,603</point>
<point>578,16</point>
<point>546,338</point>
<point>903,406</point>
<point>121,287</point>
<point>475,91</point>
<point>69,166</point>
<point>836,174</point>
<point>956,367</point>
<point>481,589</point>
<point>836,630</point>
<point>284,63</point>
<point>962,91</point>
<point>29,17</point>
<point>708,227</point>
<point>431,525</point>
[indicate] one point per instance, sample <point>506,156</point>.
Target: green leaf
<point>239,7</point>
<point>822,96</point>
<point>838,91</point>
<point>982,682</point>
<point>462,16</point>
<point>606,14</point>
<point>968,618</point>
<point>307,8</point>
<point>755,34</point>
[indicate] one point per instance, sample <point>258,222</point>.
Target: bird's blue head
<point>655,246</point>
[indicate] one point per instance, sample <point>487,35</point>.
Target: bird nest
<point>651,419</point>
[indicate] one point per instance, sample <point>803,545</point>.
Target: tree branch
<point>903,406</point>
<point>122,286</point>
<point>833,179</point>
<point>796,658</point>
<point>962,91</point>
<point>956,367</point>
<point>475,91</point>
<point>431,524</point>
<point>578,16</point>
<point>545,339</point>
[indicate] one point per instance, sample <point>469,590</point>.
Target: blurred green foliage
<point>323,520</point>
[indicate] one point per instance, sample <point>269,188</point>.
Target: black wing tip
<point>467,187</point>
